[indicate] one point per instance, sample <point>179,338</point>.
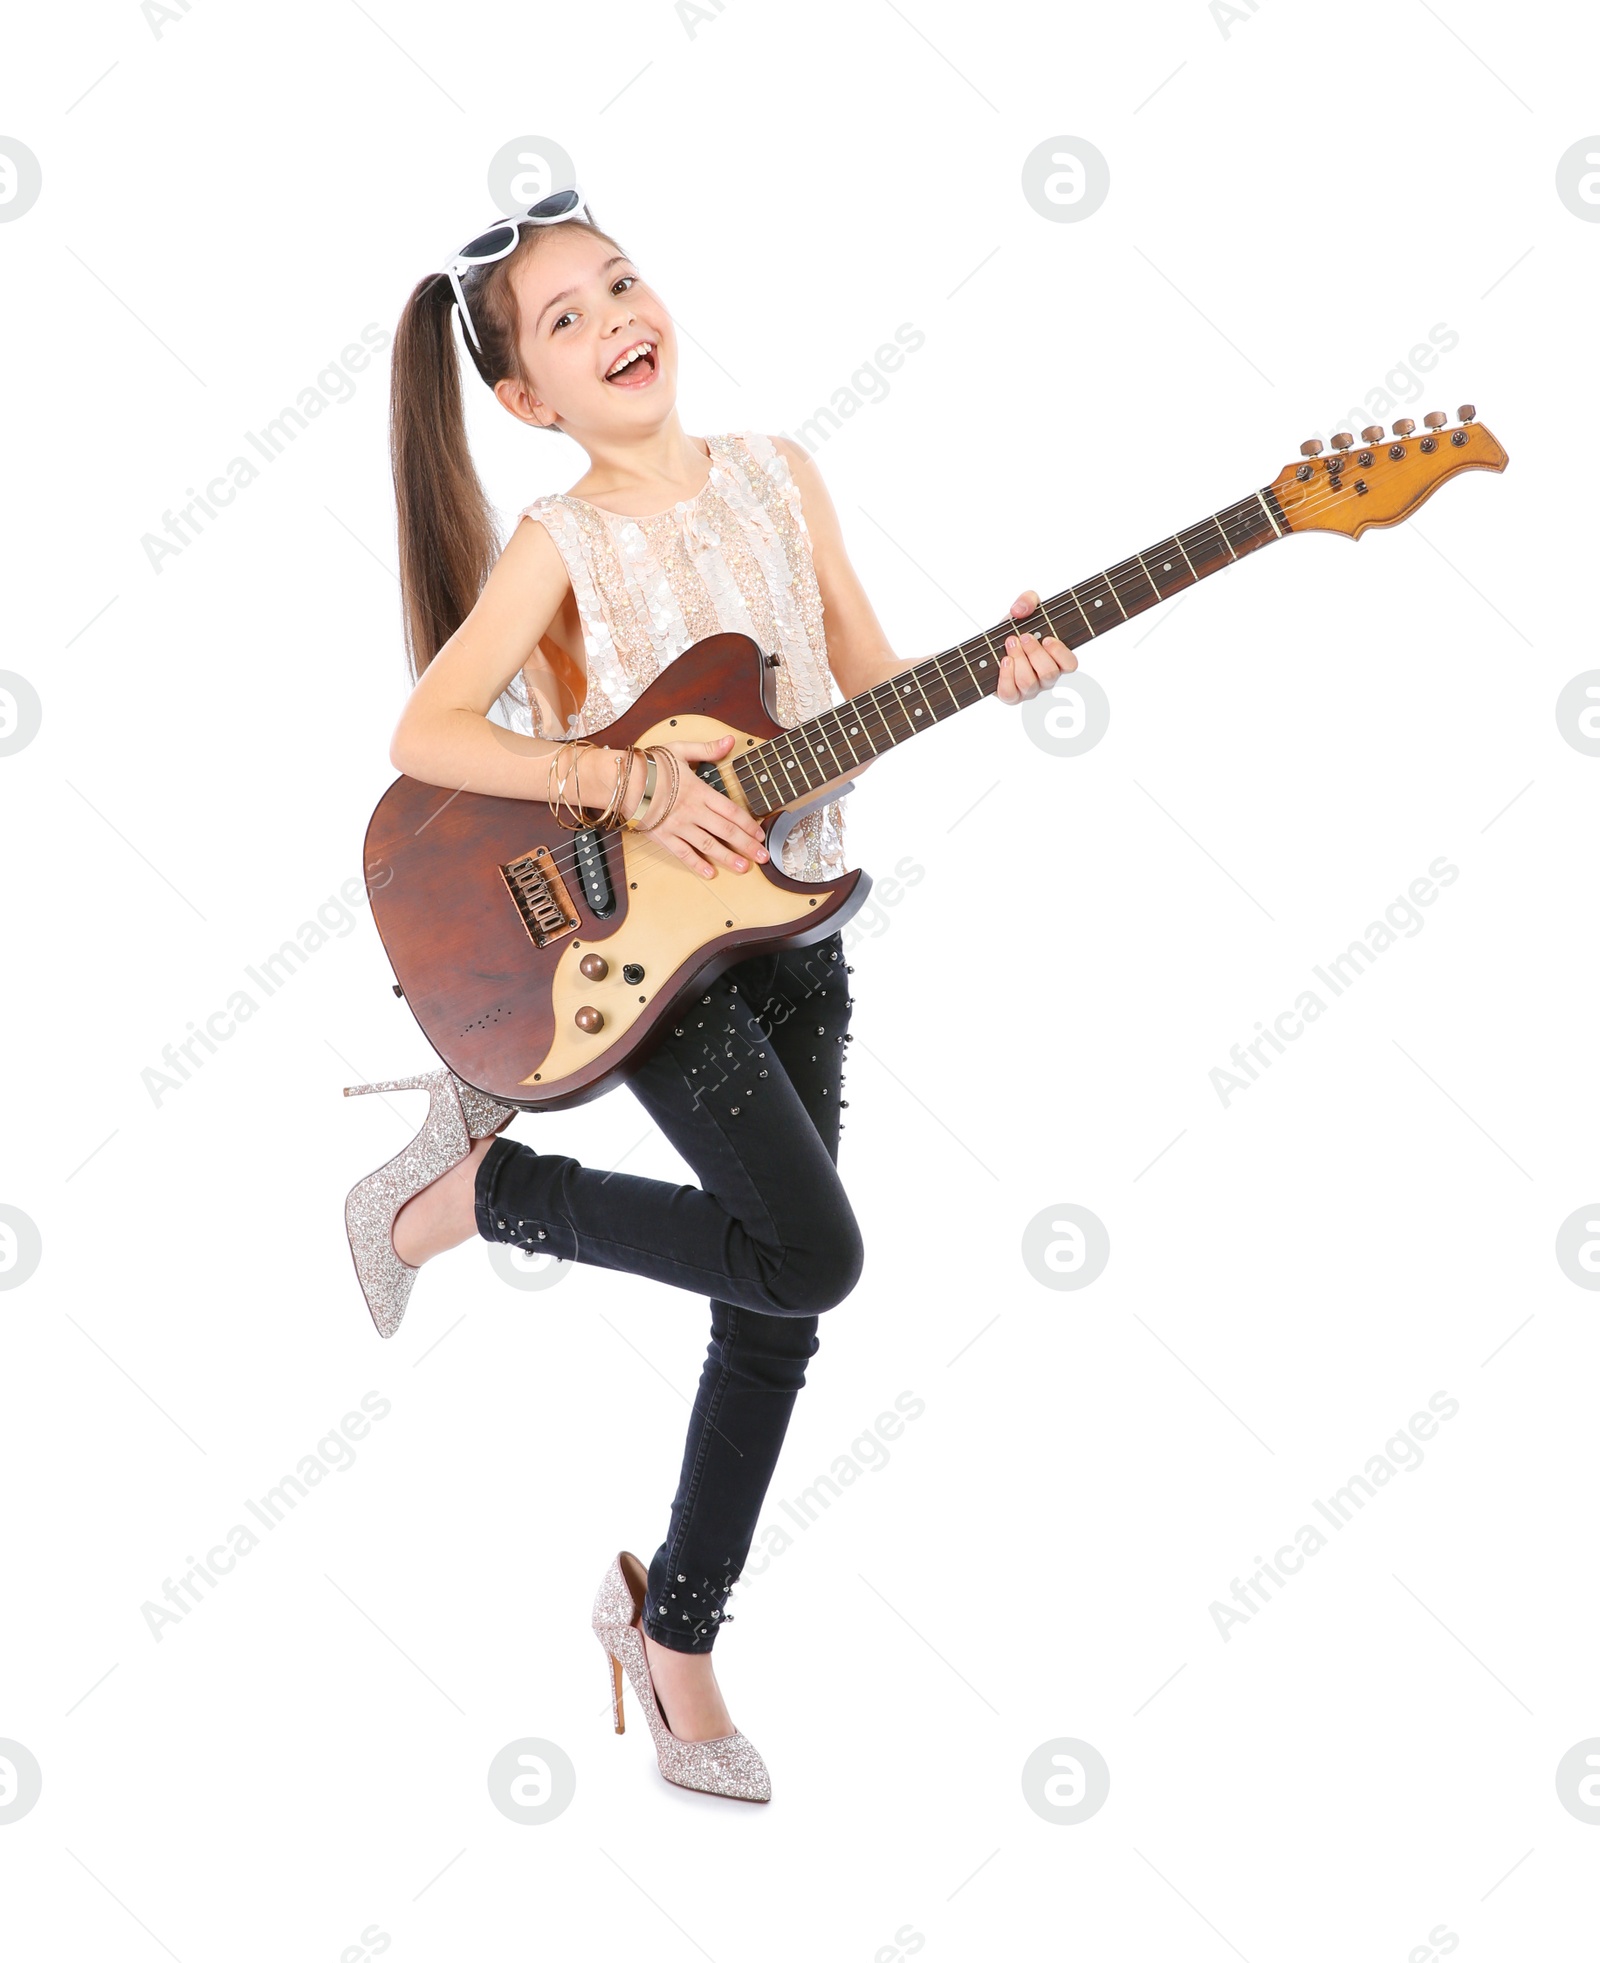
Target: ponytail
<point>446,525</point>
<point>448,539</point>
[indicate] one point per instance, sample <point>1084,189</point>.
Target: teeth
<point>627,358</point>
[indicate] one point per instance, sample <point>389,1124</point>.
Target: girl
<point>665,539</point>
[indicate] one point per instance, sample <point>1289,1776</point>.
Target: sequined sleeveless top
<point>735,558</point>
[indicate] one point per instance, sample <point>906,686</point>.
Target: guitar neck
<point>777,772</point>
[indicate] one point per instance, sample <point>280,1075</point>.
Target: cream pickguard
<point>671,914</point>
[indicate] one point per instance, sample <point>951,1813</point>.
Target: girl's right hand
<point>703,825</point>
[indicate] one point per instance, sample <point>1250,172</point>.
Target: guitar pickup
<point>589,855</point>
<point>541,896</point>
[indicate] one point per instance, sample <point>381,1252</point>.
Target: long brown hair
<point>447,534</point>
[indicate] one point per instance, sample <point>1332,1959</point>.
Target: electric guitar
<point>544,964</point>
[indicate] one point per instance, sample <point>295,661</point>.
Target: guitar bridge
<point>541,896</point>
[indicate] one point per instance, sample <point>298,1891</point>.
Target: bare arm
<point>444,735</point>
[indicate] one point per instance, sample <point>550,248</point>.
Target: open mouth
<point>634,368</point>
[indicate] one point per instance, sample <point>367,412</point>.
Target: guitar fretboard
<point>786,768</point>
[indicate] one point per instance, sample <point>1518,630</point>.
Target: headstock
<point>1383,480</point>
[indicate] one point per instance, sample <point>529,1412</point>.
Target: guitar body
<point>488,908</point>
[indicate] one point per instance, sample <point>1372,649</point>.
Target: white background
<point>1293,205</point>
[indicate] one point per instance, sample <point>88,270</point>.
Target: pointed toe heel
<point>730,1767</point>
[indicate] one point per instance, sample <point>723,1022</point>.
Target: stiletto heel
<point>457,1115</point>
<point>484,1115</point>
<point>731,1766</point>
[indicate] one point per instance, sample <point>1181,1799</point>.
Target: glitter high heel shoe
<point>457,1114</point>
<point>730,1766</point>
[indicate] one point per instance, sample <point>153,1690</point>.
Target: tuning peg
<point>1373,434</point>
<point>1404,427</point>
<point>1436,419</point>
<point>1466,412</point>
<point>1311,448</point>
<point>1343,440</point>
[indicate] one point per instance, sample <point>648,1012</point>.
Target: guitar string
<point>564,859</point>
<point>792,766</point>
<point>1136,583</point>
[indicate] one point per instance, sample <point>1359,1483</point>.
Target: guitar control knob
<point>1374,434</point>
<point>1404,427</point>
<point>1436,419</point>
<point>595,966</point>
<point>1343,440</point>
<point>1311,448</point>
<point>589,1020</point>
<point>1466,412</point>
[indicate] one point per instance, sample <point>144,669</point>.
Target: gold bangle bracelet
<point>671,756</point>
<point>652,770</point>
<point>611,817</point>
<point>560,796</point>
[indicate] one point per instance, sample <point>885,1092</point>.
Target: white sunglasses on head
<point>501,239</point>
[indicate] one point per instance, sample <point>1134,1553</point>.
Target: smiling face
<point>584,311</point>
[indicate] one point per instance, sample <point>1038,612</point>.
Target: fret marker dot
<point>1167,566</point>
<point>1099,603</point>
<point>983,664</point>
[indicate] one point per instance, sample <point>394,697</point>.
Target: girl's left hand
<point>1029,663</point>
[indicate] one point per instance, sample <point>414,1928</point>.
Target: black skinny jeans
<point>746,1088</point>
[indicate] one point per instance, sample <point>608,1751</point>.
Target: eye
<point>622,280</point>
<point>568,315</point>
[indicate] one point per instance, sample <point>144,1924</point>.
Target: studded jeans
<point>746,1088</point>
